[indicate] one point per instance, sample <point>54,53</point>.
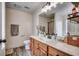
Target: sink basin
<point>47,39</point>
<point>43,38</point>
<point>61,40</point>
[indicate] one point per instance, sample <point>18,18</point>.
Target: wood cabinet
<point>43,46</point>
<point>74,42</point>
<point>40,49</point>
<point>43,49</point>
<point>54,52</point>
<point>36,48</point>
<point>42,52</point>
<point>31,43</point>
<point>32,46</point>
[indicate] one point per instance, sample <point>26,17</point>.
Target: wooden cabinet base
<point>40,49</point>
<point>55,52</point>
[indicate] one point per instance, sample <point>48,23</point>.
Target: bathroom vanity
<point>41,47</point>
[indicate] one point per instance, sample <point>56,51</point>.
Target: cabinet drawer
<point>43,46</point>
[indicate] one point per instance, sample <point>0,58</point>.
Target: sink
<point>61,40</point>
<point>47,39</point>
<point>43,38</point>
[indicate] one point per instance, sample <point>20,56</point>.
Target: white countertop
<point>64,47</point>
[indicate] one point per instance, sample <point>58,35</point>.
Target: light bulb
<point>49,8</point>
<point>44,10</point>
<point>53,4</point>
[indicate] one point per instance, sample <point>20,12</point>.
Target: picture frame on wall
<point>14,30</point>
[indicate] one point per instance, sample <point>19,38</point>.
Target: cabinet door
<point>31,44</point>
<point>36,43</point>
<point>60,53</point>
<point>43,49</point>
<point>52,52</point>
<point>43,52</point>
<point>36,48</point>
<point>55,52</point>
<point>36,52</point>
<point>43,46</point>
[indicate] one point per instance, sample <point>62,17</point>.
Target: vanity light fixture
<point>49,5</point>
<point>54,4</point>
<point>46,7</point>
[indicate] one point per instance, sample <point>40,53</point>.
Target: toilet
<point>27,44</point>
<point>27,47</point>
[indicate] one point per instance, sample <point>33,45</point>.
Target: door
<point>51,27</point>
<point>2,33</point>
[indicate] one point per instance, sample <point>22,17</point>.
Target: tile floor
<point>21,52</point>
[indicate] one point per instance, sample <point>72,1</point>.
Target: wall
<point>24,20</point>
<point>35,17</point>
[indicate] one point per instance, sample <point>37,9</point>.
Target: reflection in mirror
<point>46,23</point>
<point>51,27</point>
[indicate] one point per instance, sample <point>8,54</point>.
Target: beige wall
<point>24,20</point>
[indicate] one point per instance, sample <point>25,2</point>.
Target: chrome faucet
<point>55,36</point>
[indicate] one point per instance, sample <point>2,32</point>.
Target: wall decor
<point>14,30</point>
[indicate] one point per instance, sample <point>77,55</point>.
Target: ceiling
<point>31,7</point>
<point>50,16</point>
<point>25,6</point>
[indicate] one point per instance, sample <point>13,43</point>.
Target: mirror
<point>46,23</point>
